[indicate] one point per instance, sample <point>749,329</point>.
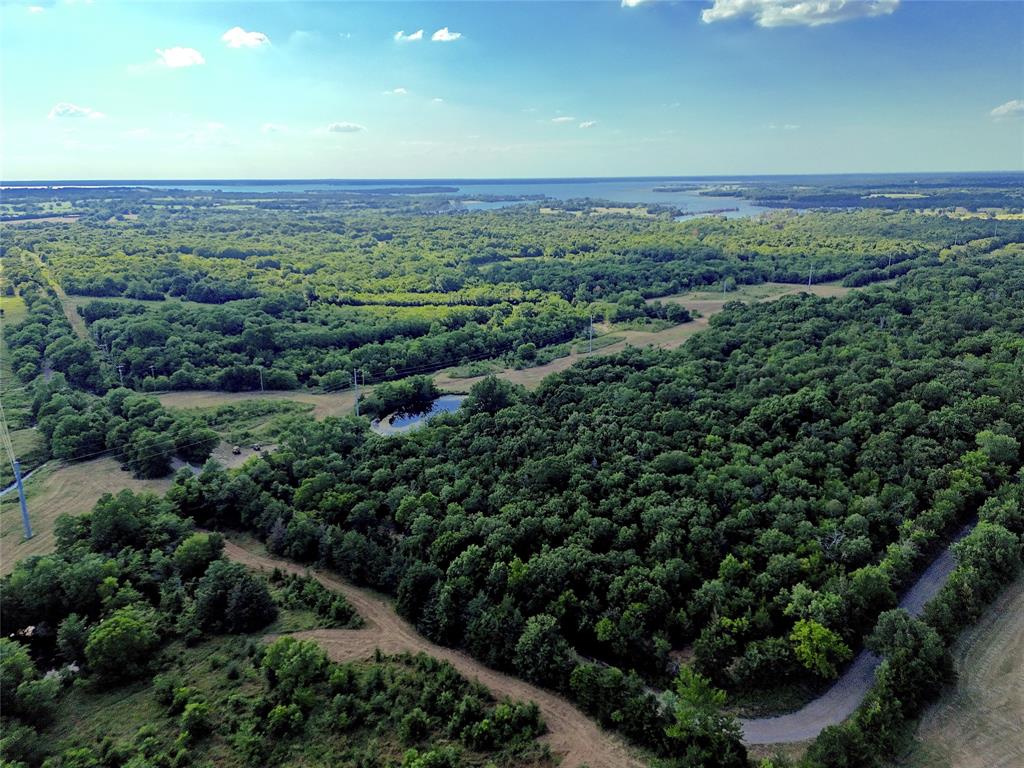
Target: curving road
<point>840,701</point>
<point>572,736</point>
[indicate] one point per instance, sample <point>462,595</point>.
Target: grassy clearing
<point>324,404</point>
<point>51,492</point>
<point>979,722</point>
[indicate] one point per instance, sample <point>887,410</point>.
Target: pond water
<point>405,423</point>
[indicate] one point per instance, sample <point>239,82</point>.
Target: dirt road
<point>840,701</point>
<point>572,735</point>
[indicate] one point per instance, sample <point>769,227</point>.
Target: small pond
<point>397,423</point>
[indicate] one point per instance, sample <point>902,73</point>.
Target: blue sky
<point>274,90</point>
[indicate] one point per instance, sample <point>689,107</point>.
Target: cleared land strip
<point>840,701</point>
<point>572,735</point>
<point>76,320</point>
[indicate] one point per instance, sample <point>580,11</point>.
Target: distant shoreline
<point>889,176</point>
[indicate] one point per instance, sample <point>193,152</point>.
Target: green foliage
<point>705,735</point>
<point>230,599</point>
<point>818,648</point>
<point>542,654</point>
<point>194,554</point>
<point>121,645</point>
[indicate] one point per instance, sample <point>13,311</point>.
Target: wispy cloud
<point>345,128</point>
<point>789,13</point>
<point>563,119</point>
<point>66,110</point>
<point>177,57</point>
<point>1014,108</point>
<point>236,37</point>
<point>396,92</point>
<point>588,123</point>
<point>412,37</point>
<point>632,3</point>
<point>273,128</point>
<point>443,35</point>
<point>437,100</point>
<point>35,9</point>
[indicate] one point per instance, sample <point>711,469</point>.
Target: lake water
<point>407,423</point>
<point>630,191</point>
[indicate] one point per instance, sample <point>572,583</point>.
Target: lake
<point>639,191</point>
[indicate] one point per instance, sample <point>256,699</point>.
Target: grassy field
<point>73,489</point>
<point>979,722</point>
<point>325,404</point>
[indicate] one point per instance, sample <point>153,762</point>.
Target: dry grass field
<point>325,404</point>
<point>71,489</point>
<point>979,722</point>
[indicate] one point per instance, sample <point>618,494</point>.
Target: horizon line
<point>488,179</point>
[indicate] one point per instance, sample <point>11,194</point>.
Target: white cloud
<point>236,37</point>
<point>563,119</point>
<point>273,128</point>
<point>632,3</point>
<point>1014,108</point>
<point>345,128</point>
<point>412,37</point>
<point>136,133</point>
<point>588,123</point>
<point>35,9</point>
<point>807,13</point>
<point>178,57</point>
<point>790,127</point>
<point>67,110</point>
<point>437,100</point>
<point>396,92</point>
<point>444,36</point>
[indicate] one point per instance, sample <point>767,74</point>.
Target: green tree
<point>818,648</point>
<point>121,646</point>
<point>704,736</point>
<point>542,655</point>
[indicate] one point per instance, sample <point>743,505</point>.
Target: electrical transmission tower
<point>5,438</point>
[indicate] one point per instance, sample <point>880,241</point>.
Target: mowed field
<point>324,404</point>
<point>71,489</point>
<point>979,722</point>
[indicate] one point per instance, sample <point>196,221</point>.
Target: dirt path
<point>840,701</point>
<point>572,735</point>
<point>76,320</point>
<point>980,722</point>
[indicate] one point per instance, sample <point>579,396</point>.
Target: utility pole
<point>809,276</point>
<point>261,378</point>
<point>25,523</point>
<point>5,436</point>
<point>590,346</point>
